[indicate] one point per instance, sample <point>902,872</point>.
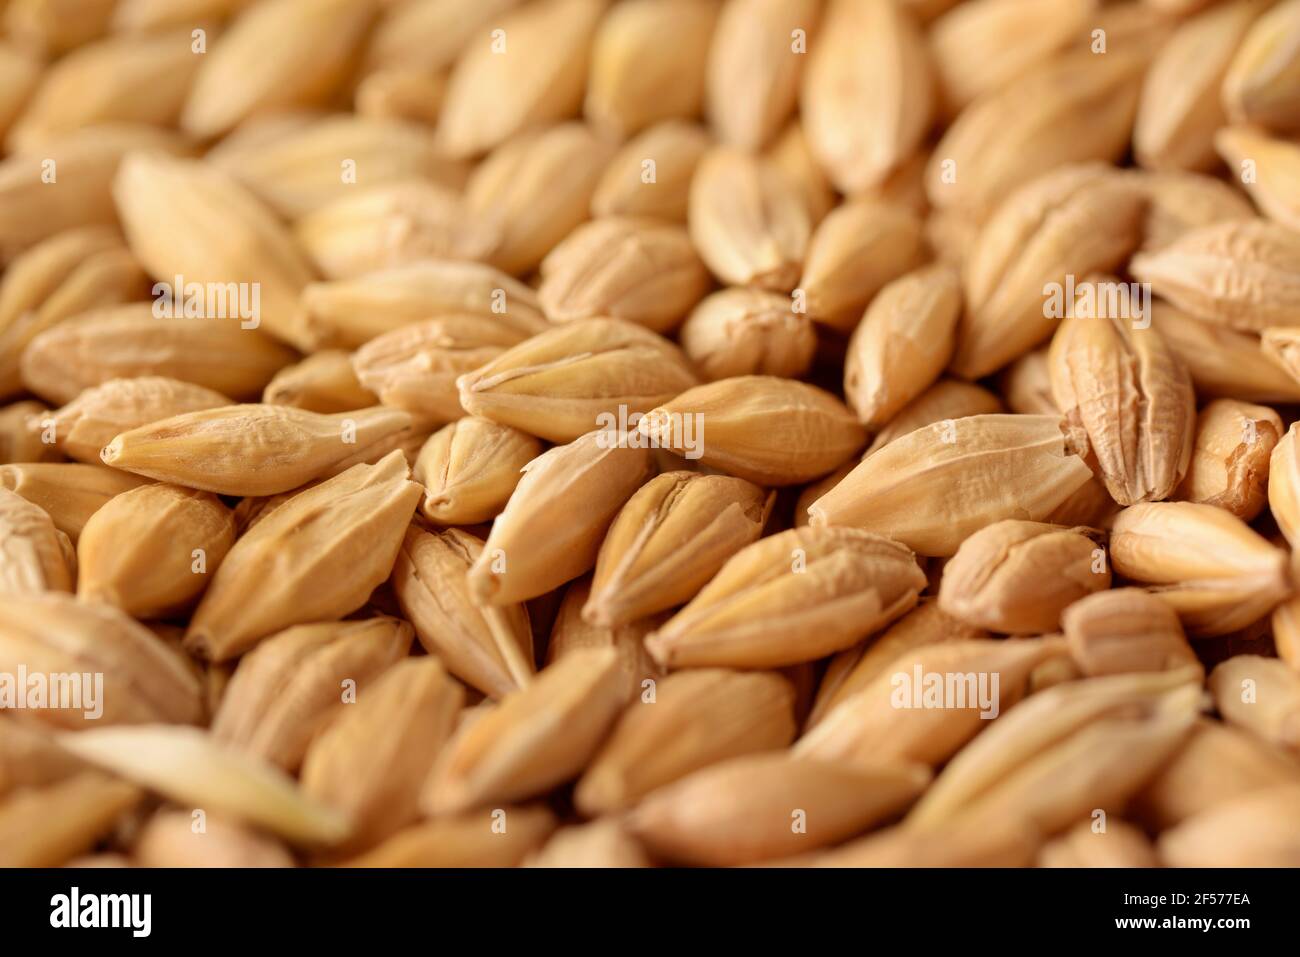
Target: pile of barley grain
<point>569,432</point>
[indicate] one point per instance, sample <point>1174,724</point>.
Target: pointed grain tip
<point>600,790</point>
<point>597,613</point>
<point>465,388</point>
<point>483,583</point>
<point>660,649</point>
<point>198,643</point>
<point>657,426</point>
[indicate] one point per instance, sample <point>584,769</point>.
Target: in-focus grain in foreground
<point>565,433</point>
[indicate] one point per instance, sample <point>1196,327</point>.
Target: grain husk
<point>742,331</point>
<point>69,492</point>
<point>19,74</point>
<point>151,551</point>
<point>345,531</point>
<point>1260,695</point>
<point>143,16</point>
<point>903,343</point>
<point>603,843</point>
<point>1128,399</point>
<point>169,839</point>
<point>769,430</point>
<point>430,34</point>
<point>58,278</point>
<point>867,95</point>
<point>49,826</point>
<point>1178,202</point>
<point>469,469</point>
<point>535,739</point>
<point>389,226</point>
<point>85,164</point>
<point>754,50</point>
<point>536,189</point>
<point>1243,274</point>
<point>500,837</point>
<point>669,541</point>
<point>401,93</point>
<point>760,807</point>
<point>697,718</point>
<point>1230,457</point>
<point>1117,844</point>
<point>791,154</point>
<point>1012,844</point>
<point>554,522</point>
<point>1286,632</point>
<point>980,47</point>
<point>30,758</point>
<point>1262,85</point>
<point>1019,577</point>
<point>48,28</point>
<point>126,342</point>
<point>1284,485</point>
<point>1071,222</point>
<point>583,375</point>
<point>1258,830</point>
<point>934,487</point>
<point>792,597</point>
<point>126,79</point>
<point>415,367</point>
<point>535,79</point>
<point>346,314</point>
<point>230,236</point>
<point>945,399</point>
<point>1214,570</point>
<point>648,64</point>
<point>1225,363</point>
<point>1026,385</point>
<point>322,382</point>
<point>1180,108</point>
<point>143,679</point>
<point>637,673</point>
<point>854,252</point>
<point>1125,630</point>
<point>372,759</point>
<point>1075,108</point>
<point>1268,167</point>
<point>35,556</point>
<point>633,269</point>
<point>1022,768</point>
<point>748,220</point>
<point>19,441</point>
<point>188,767</point>
<point>868,726</point>
<point>302,167</point>
<point>295,682</point>
<point>651,174</point>
<point>854,669</point>
<point>408,443</point>
<point>82,427</point>
<point>490,648</point>
<point>276,55</point>
<point>250,449</point>
<point>1217,764</point>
